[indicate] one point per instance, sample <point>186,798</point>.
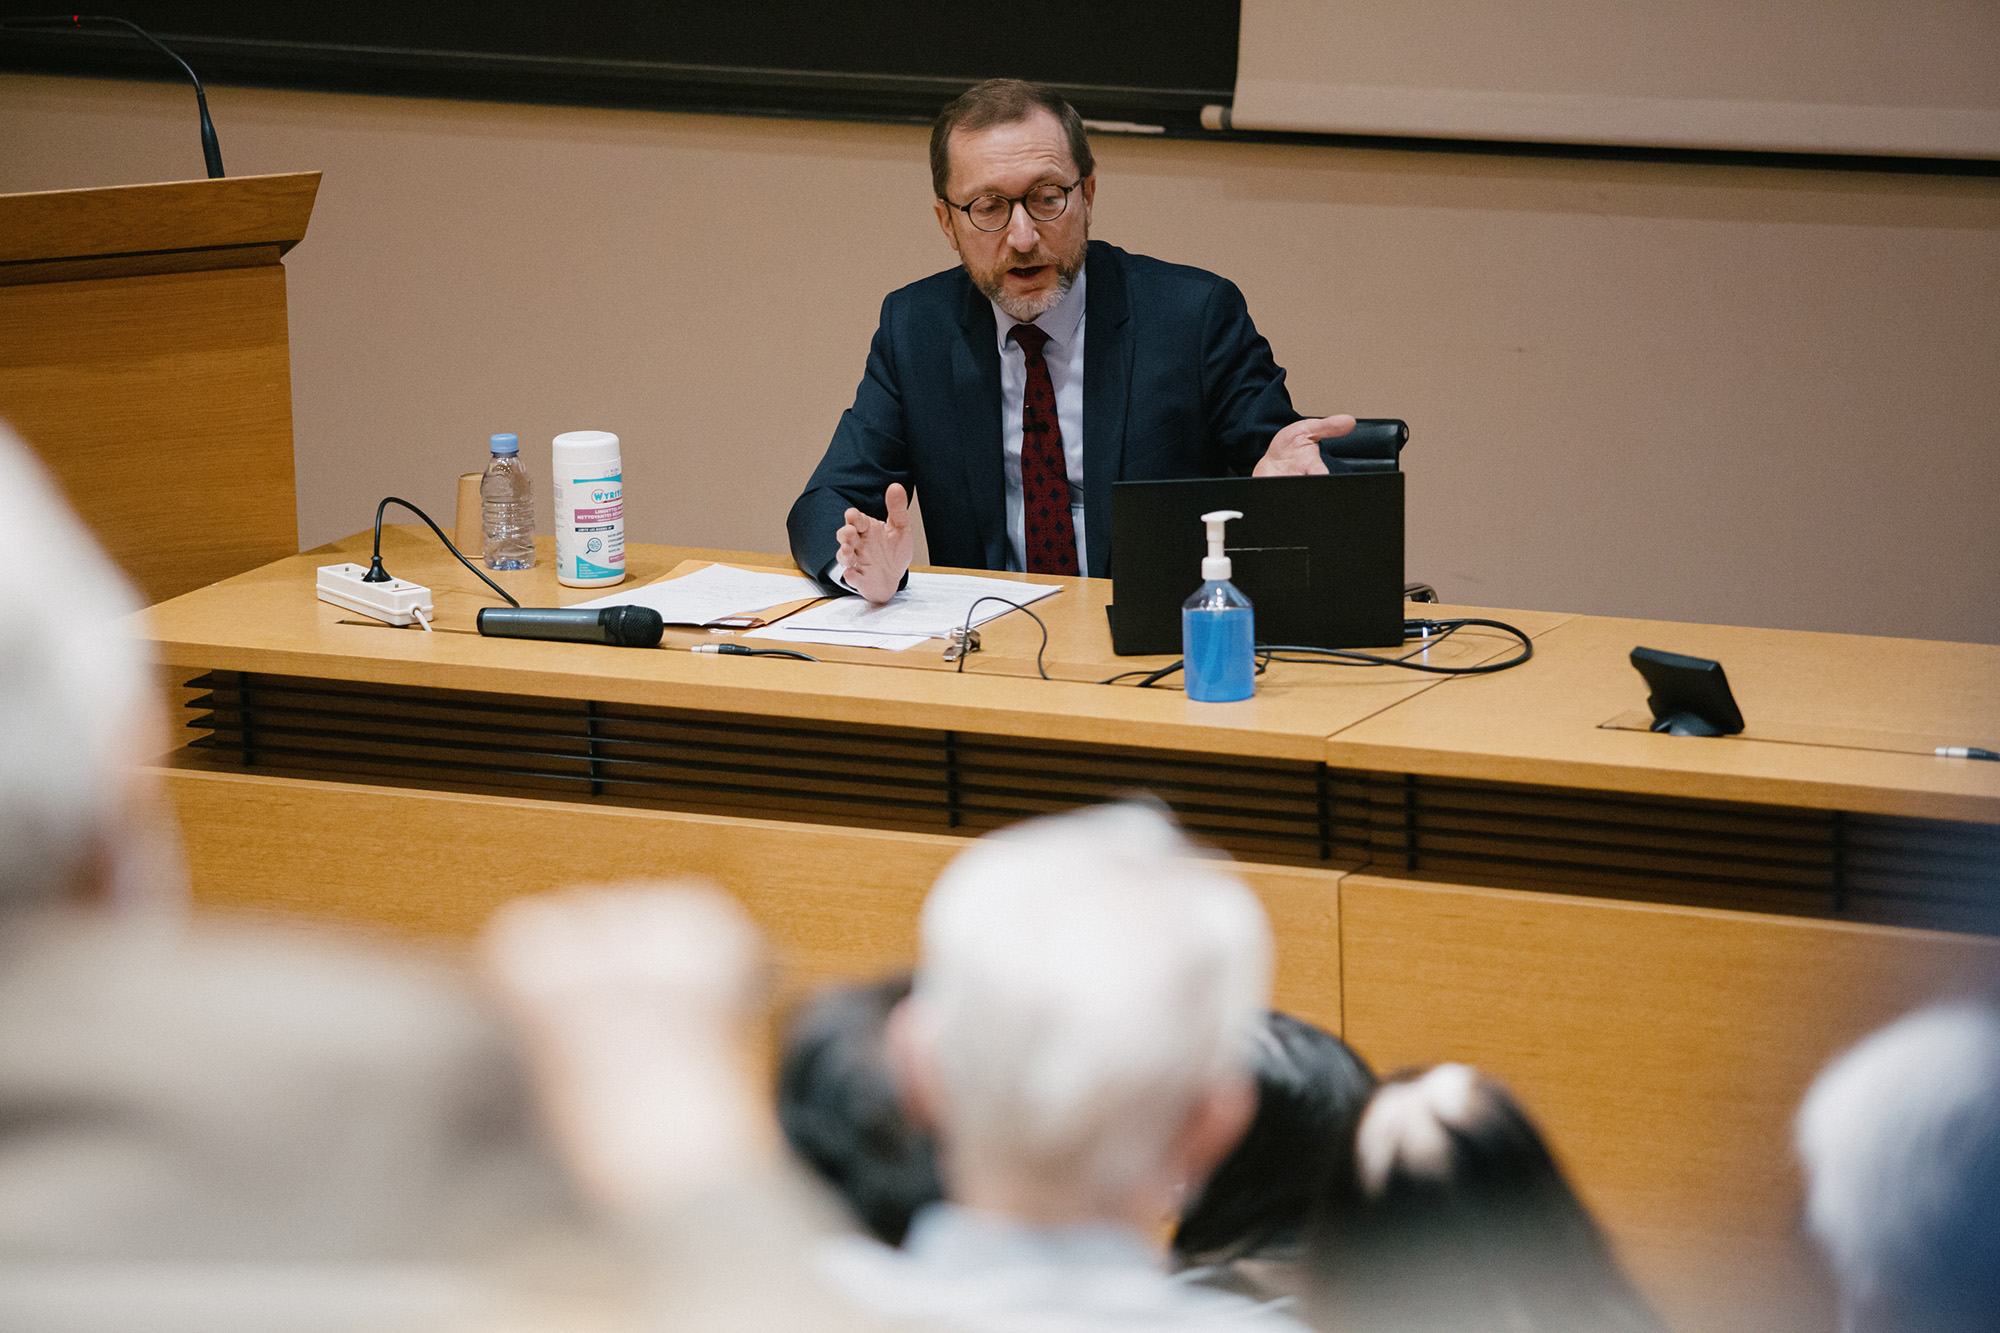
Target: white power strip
<point>399,602</point>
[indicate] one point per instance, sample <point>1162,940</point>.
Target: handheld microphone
<point>619,626</point>
<point>211,151</point>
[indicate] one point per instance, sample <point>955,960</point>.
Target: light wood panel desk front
<point>1510,779</point>
<point>1664,1051</point>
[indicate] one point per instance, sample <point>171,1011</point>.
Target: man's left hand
<point>1294,451</point>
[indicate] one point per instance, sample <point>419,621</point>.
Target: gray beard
<point>1028,311</point>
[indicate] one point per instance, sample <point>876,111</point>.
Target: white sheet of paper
<point>783,630</point>
<point>712,593</point>
<point>932,605</point>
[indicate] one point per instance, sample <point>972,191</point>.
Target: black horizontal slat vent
<point>881,777</point>
<point>570,750</point>
<point>1259,810</point>
<point>1701,853</point>
<point>1925,872</point>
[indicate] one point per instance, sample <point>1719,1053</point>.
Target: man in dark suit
<point>1011,392</point>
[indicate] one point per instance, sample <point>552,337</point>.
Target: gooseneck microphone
<point>211,151</point>
<point>619,626</point>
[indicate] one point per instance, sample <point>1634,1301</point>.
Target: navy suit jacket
<point>1177,383</point>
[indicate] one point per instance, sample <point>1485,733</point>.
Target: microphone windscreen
<point>634,626</point>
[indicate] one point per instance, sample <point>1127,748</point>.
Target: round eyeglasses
<point>992,212</point>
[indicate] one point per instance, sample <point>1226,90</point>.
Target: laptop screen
<point>1320,558</point>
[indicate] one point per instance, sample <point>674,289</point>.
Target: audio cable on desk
<point>745,650</point>
<point>965,639</point>
<point>1433,632</point>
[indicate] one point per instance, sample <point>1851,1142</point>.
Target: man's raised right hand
<point>875,553</point>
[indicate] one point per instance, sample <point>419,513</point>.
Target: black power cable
<point>377,574</point>
<point>1434,632</point>
<point>1149,678</point>
<point>775,652</point>
<point>1152,678</point>
<point>745,650</point>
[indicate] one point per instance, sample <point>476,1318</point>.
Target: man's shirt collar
<point>1060,323</point>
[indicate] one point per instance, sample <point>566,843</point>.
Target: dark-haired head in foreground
<point>1252,1213</point>
<point>838,1104</point>
<point>1451,1214</point>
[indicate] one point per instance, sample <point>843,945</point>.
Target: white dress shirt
<point>983,1273</point>
<point>1064,354</point>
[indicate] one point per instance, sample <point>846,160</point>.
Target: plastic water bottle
<point>1218,628</point>
<point>507,508</point>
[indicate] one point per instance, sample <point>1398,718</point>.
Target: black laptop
<point>1320,558</point>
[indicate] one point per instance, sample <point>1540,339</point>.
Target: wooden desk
<point>1833,721</point>
<point>1456,868</point>
<point>268,621</point>
<point>1511,780</point>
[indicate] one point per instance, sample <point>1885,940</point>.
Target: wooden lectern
<point>144,356</point>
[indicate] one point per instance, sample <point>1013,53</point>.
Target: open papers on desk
<point>717,595</point>
<point>848,638</point>
<point>930,606</point>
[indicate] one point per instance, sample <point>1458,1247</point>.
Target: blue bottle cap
<point>506,444</point>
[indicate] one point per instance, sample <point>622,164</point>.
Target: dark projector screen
<point>1153,62</point>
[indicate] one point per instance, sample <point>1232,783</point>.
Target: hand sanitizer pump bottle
<point>1218,633</point>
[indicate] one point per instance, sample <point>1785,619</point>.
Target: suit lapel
<point>975,369</point>
<point>1107,383</point>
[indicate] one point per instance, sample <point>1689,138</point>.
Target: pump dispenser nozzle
<point>1218,632</point>
<point>1216,565</point>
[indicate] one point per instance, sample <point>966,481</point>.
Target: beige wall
<point>1687,392</point>
<point>1919,78</point>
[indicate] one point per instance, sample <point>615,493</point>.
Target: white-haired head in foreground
<point>1089,989</point>
<point>1901,1142</point>
<point>78,703</point>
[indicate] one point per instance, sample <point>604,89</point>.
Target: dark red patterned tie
<point>1050,539</point>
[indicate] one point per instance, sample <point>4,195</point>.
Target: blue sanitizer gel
<point>1218,628</point>
<point>1218,644</point>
